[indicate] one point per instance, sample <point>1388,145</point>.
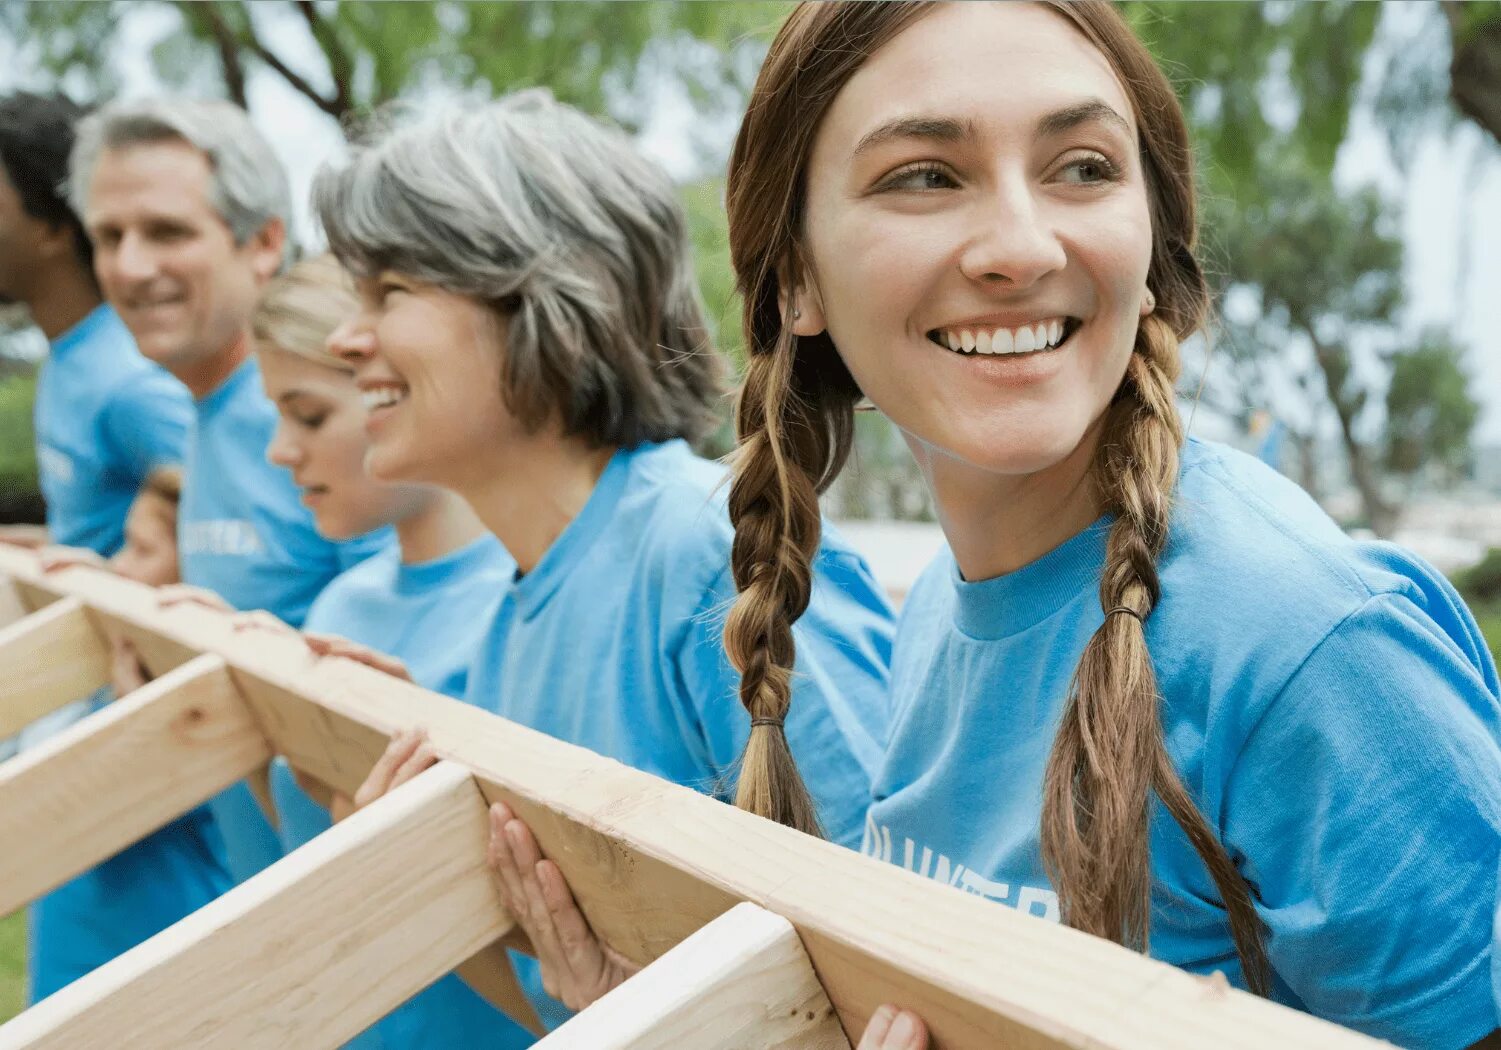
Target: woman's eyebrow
<point>936,129</point>
<point>947,129</point>
<point>1090,110</point>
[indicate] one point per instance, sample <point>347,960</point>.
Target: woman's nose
<point>1013,243</point>
<point>352,341</point>
<point>283,452</point>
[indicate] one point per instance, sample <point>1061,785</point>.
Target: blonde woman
<point>418,608</point>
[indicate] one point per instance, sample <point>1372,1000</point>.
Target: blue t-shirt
<point>105,417</point>
<point>125,900</point>
<point>243,533</point>
<point>613,641</point>
<point>1329,704</point>
<point>431,615</point>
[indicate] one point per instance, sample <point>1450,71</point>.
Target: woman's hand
<point>576,968</point>
<point>260,620</point>
<point>126,672</point>
<point>56,558</point>
<point>333,645</point>
<point>28,536</point>
<point>893,1029</point>
<point>408,754</point>
<point>185,594</point>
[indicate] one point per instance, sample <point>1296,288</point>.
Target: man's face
<point>166,259</point>
<point>20,235</point>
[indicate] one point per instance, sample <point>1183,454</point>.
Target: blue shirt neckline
<point>248,372</point>
<point>416,577</point>
<point>84,331</point>
<point>1010,604</point>
<point>534,588</point>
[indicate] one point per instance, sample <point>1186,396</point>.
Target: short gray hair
<point>248,187</point>
<point>575,239</point>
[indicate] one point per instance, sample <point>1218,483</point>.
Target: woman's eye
<point>1087,170</point>
<point>312,422</point>
<point>923,177</point>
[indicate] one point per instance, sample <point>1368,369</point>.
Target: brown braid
<point>775,511</point>
<point>1109,755</point>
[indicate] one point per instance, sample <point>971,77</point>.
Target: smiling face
<point>320,438</point>
<point>979,235</point>
<point>428,363</point>
<point>165,258</point>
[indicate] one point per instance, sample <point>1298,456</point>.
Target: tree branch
<point>334,107</point>
<point>229,50</point>
<point>340,65</point>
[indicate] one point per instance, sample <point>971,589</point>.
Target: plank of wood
<point>490,974</point>
<point>650,863</point>
<point>12,606</point>
<point>310,951</point>
<point>51,658</point>
<point>109,780</point>
<point>743,982</point>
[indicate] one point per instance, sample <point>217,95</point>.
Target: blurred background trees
<point>1308,262</point>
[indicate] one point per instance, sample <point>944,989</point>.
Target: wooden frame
<point>652,864</point>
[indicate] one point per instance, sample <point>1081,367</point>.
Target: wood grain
<point>651,863</point>
<point>50,658</point>
<point>310,951</point>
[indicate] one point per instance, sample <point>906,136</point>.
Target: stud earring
<point>796,314</point>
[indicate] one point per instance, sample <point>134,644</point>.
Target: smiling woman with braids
<point>1150,690</point>
<point>1140,692</point>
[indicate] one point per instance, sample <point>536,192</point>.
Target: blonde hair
<point>795,422</point>
<point>301,308</point>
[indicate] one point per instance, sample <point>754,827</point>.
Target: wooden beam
<point>80,797</point>
<point>12,607</point>
<point>51,658</point>
<point>309,952</point>
<point>741,982</point>
<point>650,863</point>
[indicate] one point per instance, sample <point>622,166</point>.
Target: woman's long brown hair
<point>795,419</point>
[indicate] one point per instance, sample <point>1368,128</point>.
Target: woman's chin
<point>392,465</point>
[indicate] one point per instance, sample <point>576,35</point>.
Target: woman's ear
<point>1148,303</point>
<point>804,313</point>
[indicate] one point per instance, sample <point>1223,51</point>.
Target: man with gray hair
<point>188,208</point>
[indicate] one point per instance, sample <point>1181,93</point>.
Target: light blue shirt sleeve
<point>148,422</point>
<point>1365,809</point>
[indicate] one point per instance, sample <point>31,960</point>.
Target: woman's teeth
<point>381,397</point>
<point>1043,335</point>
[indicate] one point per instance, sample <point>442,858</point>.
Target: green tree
<point>1430,414</point>
<point>598,55</point>
<point>1325,272</point>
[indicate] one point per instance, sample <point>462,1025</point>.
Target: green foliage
<point>1490,628</point>
<point>1481,587</point>
<point>1260,80</point>
<point>1481,583</point>
<point>65,39</point>
<point>12,965</point>
<point>704,204</point>
<point>17,444</point>
<point>1430,414</point>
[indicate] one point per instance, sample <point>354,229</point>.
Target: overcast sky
<point>1451,200</point>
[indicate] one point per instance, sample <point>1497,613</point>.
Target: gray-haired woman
<point>532,338</point>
